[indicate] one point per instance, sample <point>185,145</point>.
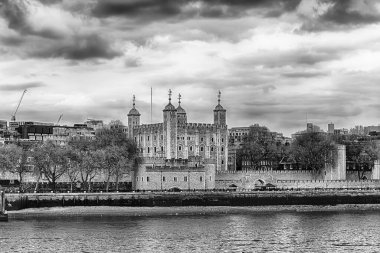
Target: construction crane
<point>18,105</point>
<point>59,119</point>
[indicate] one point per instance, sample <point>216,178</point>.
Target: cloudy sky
<point>273,60</point>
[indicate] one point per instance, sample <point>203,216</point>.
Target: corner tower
<point>133,118</point>
<point>219,113</point>
<point>170,128</point>
<point>181,113</point>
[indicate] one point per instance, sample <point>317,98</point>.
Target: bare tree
<point>312,151</point>
<point>14,159</point>
<point>51,161</point>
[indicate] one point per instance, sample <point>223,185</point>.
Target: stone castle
<point>178,154</point>
<point>194,156</point>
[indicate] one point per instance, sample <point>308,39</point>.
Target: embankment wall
<point>18,201</point>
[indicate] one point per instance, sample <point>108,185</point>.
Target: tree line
<point>308,151</point>
<point>110,154</point>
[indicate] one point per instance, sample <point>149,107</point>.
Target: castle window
<point>188,138</point>
<point>175,179</point>
<point>148,150</point>
<point>135,139</point>
<point>201,138</point>
<point>148,137</point>
<point>202,149</point>
<point>142,179</point>
<point>147,179</point>
<point>162,148</point>
<point>191,148</point>
<point>222,139</point>
<point>222,161</point>
<point>200,178</point>
<point>185,179</point>
<point>222,149</point>
<point>155,150</point>
<point>212,148</point>
<point>163,178</point>
<point>179,148</point>
<point>212,139</point>
<point>162,137</point>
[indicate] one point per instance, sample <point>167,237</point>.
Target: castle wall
<point>328,184</point>
<point>148,177</point>
<point>248,179</point>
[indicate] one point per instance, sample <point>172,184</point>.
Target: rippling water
<point>356,231</point>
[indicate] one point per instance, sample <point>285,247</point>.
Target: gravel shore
<point>171,211</point>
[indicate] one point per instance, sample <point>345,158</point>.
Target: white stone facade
<point>178,141</point>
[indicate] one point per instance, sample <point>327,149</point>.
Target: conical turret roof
<point>134,111</point>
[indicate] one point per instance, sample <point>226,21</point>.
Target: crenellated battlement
<point>145,127</point>
<point>204,126</point>
<point>290,172</point>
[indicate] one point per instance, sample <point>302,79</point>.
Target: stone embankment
<point>148,199</point>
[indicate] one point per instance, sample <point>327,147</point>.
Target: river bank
<point>172,199</point>
<point>107,211</point>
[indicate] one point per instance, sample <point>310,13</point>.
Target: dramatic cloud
<point>61,32</point>
<point>20,86</point>
<point>183,9</point>
<point>329,14</point>
<point>274,60</point>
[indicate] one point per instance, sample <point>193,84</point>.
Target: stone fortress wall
<point>333,176</point>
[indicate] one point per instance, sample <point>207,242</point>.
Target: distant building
<point>330,128</point>
<point>94,124</point>
<point>35,131</point>
<point>372,130</point>
<point>310,128</point>
<point>342,131</point>
<point>358,130</point>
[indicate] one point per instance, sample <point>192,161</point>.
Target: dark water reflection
<point>256,232</point>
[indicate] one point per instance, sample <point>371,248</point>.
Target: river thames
<point>238,231</point>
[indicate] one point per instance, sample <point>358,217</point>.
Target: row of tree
<point>309,151</point>
<point>111,154</point>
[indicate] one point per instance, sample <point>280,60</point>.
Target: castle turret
<point>170,128</point>
<point>219,113</point>
<point>181,113</point>
<point>133,118</point>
